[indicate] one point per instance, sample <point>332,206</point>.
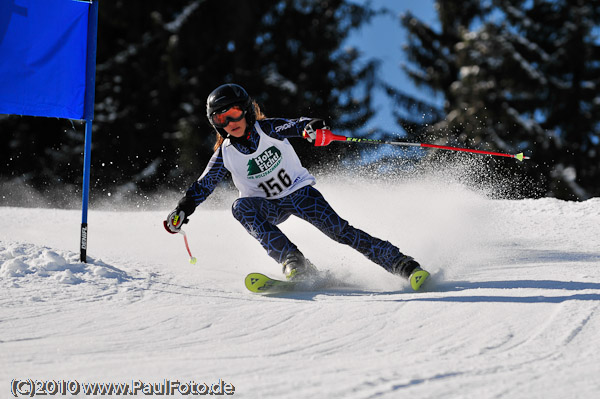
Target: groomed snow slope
<point>512,311</point>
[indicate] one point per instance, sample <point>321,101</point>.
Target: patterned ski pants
<point>260,217</point>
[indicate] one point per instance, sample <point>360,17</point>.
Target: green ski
<point>259,283</point>
<point>262,284</point>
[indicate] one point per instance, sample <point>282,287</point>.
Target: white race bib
<point>272,171</point>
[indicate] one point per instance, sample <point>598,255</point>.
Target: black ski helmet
<point>225,96</point>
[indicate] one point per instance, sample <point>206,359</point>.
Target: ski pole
<point>324,137</point>
<point>187,246</point>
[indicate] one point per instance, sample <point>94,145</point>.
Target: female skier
<point>273,185</point>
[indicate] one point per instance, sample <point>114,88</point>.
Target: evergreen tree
<point>433,64</point>
<point>526,77</point>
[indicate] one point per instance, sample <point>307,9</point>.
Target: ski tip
<point>418,278</point>
<point>262,284</point>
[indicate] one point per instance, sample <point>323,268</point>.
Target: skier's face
<point>236,129</point>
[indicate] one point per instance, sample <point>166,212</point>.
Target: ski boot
<point>297,267</point>
<point>410,269</point>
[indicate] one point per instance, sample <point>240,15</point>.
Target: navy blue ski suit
<point>260,216</point>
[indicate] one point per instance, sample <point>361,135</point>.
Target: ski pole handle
<point>324,137</point>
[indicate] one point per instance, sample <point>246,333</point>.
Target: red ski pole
<point>187,246</point>
<point>324,137</point>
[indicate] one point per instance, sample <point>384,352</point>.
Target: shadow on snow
<point>461,286</point>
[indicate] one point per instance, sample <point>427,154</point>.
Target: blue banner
<point>43,49</point>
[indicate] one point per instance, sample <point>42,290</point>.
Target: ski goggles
<point>221,119</point>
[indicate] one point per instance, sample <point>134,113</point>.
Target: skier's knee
<point>255,208</point>
<point>244,207</point>
<point>238,208</point>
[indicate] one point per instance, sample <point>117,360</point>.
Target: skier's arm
<point>197,193</point>
<point>214,172</point>
<point>280,128</point>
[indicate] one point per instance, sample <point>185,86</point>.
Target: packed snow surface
<point>512,310</point>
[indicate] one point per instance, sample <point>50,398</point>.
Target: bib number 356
<point>276,185</point>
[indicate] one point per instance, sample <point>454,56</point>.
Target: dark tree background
<point>514,75</point>
<point>157,62</point>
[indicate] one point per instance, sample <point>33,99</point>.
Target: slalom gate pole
<point>88,113</point>
<point>187,246</point>
<point>324,137</point>
<point>83,238</point>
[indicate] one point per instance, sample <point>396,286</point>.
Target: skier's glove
<point>311,129</point>
<point>178,216</point>
<point>174,221</point>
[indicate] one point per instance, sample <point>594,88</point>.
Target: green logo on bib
<point>264,164</point>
